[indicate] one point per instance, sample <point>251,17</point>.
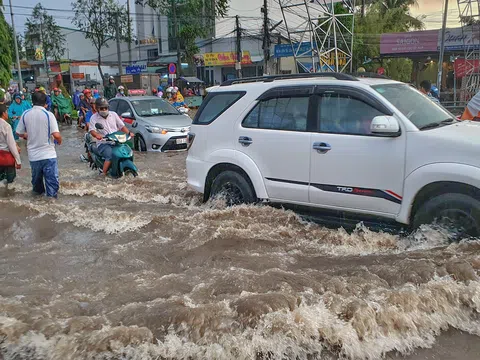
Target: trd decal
<point>382,194</point>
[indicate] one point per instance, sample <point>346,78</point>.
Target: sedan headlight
<point>156,130</point>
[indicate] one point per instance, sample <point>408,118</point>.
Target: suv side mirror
<point>385,126</point>
<point>127,115</point>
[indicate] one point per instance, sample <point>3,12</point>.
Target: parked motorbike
<point>183,109</point>
<point>122,161</point>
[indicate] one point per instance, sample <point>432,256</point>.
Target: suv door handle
<point>245,140</point>
<point>321,147</point>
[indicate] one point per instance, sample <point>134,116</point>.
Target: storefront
<point>214,68</point>
<point>423,48</point>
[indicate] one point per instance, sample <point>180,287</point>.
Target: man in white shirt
<point>40,128</point>
<point>111,123</point>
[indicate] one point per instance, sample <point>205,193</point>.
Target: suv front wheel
<point>233,187</point>
<point>457,212</point>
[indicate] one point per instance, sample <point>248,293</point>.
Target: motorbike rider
<point>111,89</point>
<point>426,89</point>
<point>177,98</point>
<point>111,123</point>
<point>90,112</point>
<point>121,91</point>
<point>169,93</point>
<point>84,105</point>
<point>62,106</point>
<point>48,104</point>
<point>15,111</point>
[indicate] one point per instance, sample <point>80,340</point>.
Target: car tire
<point>140,144</point>
<point>234,187</point>
<point>457,212</point>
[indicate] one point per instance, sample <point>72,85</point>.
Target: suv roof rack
<point>370,75</point>
<point>270,78</point>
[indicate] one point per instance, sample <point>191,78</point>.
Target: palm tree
<point>396,4</point>
<point>402,8</point>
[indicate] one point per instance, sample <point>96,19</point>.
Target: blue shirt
<point>49,103</point>
<point>76,99</point>
<point>88,115</point>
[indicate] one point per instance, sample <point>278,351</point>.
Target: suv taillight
<point>190,139</point>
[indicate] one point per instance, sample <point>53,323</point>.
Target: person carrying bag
<point>9,150</point>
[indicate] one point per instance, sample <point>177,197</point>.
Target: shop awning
<point>256,58</point>
<point>191,79</point>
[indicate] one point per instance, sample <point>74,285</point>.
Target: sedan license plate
<point>182,141</point>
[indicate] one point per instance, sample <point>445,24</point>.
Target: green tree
<point>191,19</point>
<point>98,19</point>
<point>380,19</point>
<point>5,50</point>
<point>42,29</point>
<point>402,8</point>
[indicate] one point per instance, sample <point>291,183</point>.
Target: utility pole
<point>129,29</point>
<point>238,63</point>
<point>19,69</point>
<point>266,38</point>
<point>117,37</point>
<point>177,37</point>
<point>45,61</point>
<point>442,49</point>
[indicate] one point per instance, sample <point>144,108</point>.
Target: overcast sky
<point>432,9</point>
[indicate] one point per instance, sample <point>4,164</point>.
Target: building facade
<point>155,32</point>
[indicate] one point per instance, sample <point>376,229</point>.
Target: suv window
<point>343,114</point>
<point>123,107</point>
<point>419,109</point>
<point>215,104</point>
<point>285,113</point>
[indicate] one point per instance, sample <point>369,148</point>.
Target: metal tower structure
<point>320,33</point>
<point>469,17</point>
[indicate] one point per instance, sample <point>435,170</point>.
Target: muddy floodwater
<point>142,269</point>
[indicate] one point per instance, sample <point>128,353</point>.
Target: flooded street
<point>142,269</point>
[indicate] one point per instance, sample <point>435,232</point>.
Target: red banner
<point>136,92</point>
<point>462,66</point>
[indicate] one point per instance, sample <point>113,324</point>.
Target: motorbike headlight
<point>155,129</point>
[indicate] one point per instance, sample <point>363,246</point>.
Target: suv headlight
<point>156,129</point>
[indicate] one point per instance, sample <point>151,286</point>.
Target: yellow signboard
<point>38,53</point>
<point>329,59</point>
<point>225,58</point>
<point>148,41</point>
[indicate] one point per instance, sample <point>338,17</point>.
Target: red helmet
<point>87,91</point>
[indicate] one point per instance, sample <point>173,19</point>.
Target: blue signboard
<point>136,69</point>
<point>285,50</point>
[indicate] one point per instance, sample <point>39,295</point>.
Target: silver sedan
<point>157,125</point>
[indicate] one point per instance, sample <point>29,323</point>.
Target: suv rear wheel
<point>457,212</point>
<point>234,187</point>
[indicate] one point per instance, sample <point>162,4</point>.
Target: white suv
<point>366,146</point>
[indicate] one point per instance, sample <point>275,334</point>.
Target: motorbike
<point>122,161</point>
<point>183,109</point>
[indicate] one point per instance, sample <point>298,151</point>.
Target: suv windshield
<point>420,110</point>
<point>153,107</point>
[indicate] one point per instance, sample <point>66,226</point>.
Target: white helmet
<point>175,90</point>
<point>169,90</point>
<point>121,87</point>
